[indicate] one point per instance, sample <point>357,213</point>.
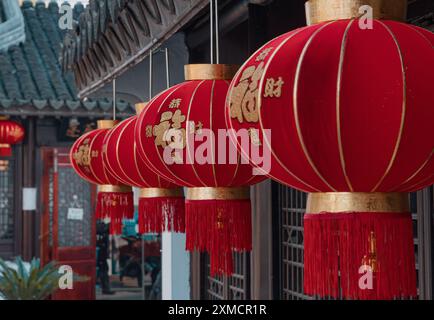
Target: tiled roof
<point>113,35</point>
<point>31,79</point>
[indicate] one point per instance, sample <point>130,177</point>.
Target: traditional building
<point>39,186</point>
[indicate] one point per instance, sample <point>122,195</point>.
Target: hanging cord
<point>166,52</point>
<point>114,98</point>
<point>211,28</point>
<point>217,42</point>
<point>150,74</point>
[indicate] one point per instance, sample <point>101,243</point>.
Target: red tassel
<point>161,214</point>
<point>5,151</point>
<point>219,227</point>
<point>336,245</point>
<point>115,206</point>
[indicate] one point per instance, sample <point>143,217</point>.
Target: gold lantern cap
<point>106,124</point>
<point>210,71</point>
<point>140,106</point>
<point>327,10</point>
<point>218,193</point>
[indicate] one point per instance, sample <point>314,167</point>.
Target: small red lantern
<point>10,133</point>
<point>115,200</point>
<point>350,112</point>
<point>188,117</point>
<point>161,203</point>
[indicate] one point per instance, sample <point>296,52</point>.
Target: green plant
<point>28,282</point>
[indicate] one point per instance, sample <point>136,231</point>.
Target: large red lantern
<point>350,113</point>
<point>10,133</point>
<point>115,200</point>
<point>188,117</point>
<point>161,203</point>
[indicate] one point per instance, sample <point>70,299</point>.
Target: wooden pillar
<point>28,217</point>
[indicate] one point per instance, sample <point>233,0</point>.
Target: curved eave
<point>113,36</point>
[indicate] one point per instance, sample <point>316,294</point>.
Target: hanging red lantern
<point>161,203</point>
<point>188,117</point>
<point>115,200</point>
<point>350,112</point>
<point>11,132</point>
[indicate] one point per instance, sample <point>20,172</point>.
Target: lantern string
<point>211,27</point>
<point>166,51</point>
<point>114,98</point>
<point>150,74</point>
<point>217,32</point>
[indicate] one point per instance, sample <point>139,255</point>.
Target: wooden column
<point>28,217</point>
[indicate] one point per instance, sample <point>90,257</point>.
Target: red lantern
<point>115,200</point>
<point>188,117</point>
<point>350,112</point>
<point>161,203</point>
<point>10,133</point>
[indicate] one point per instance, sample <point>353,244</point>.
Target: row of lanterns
<point>350,111</point>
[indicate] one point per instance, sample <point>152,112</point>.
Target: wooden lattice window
<point>7,219</point>
<point>235,287</point>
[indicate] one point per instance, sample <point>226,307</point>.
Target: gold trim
<point>404,108</point>
<point>261,124</point>
<point>140,106</point>
<point>327,10</point>
<point>161,192</point>
<point>220,193</point>
<point>418,170</point>
<point>338,105</point>
<point>114,188</point>
<point>187,148</point>
<point>295,105</point>
<point>4,117</point>
<point>336,202</point>
<point>106,124</point>
<point>5,145</point>
<point>210,71</point>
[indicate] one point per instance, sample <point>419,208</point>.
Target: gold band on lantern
<point>5,145</point>
<point>161,192</point>
<point>112,188</point>
<point>210,71</point>
<point>327,10</point>
<point>335,202</point>
<point>218,193</point>
<point>106,124</point>
<point>140,106</point>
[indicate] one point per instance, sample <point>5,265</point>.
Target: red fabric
<point>121,158</point>
<point>87,160</point>
<point>219,227</point>
<point>11,132</point>
<point>161,214</point>
<point>200,101</point>
<point>5,151</point>
<point>355,110</point>
<point>116,207</point>
<point>336,243</point>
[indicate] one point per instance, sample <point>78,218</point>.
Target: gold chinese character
<point>82,155</point>
<point>160,130</point>
<point>174,104</point>
<point>244,95</point>
<point>149,131</point>
<point>264,54</point>
<point>273,88</point>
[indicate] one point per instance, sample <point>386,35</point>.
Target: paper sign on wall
<point>75,213</point>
